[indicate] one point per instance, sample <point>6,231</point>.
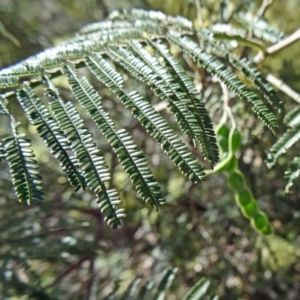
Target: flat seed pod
<point>236,180</point>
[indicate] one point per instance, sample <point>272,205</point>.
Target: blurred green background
<point>64,249</point>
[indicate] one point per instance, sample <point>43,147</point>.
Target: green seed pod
<point>250,209</point>
<point>260,220</point>
<point>222,137</point>
<point>244,197</point>
<point>236,141</point>
<point>236,180</point>
<point>230,165</point>
<point>267,229</point>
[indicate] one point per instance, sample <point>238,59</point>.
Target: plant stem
<point>277,47</point>
<point>199,16</point>
<point>262,10</point>
<point>283,87</point>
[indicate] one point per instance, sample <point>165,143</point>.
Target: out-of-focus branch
<point>277,47</point>
<point>91,279</point>
<point>70,269</point>
<point>199,15</point>
<point>283,87</point>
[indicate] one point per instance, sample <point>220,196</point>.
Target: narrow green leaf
<point>217,68</point>
<point>23,168</point>
<point>130,156</point>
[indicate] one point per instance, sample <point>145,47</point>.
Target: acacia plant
<point>159,68</point>
<point>147,45</point>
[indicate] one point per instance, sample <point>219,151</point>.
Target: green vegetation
<point>150,141</point>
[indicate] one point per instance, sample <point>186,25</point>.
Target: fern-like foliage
<point>198,290</point>
<point>139,43</point>
<point>286,141</point>
<point>94,168</point>
<point>243,66</point>
<point>292,135</point>
<point>292,173</point>
<point>260,28</point>
<point>23,168</point>
<point>129,155</point>
<point>137,290</point>
<point>50,131</point>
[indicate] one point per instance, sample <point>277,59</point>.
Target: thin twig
<point>199,15</point>
<point>262,10</point>
<point>70,269</point>
<point>226,96</point>
<point>283,87</point>
<point>277,47</point>
<point>200,20</point>
<point>91,279</point>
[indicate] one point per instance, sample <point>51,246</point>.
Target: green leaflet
<point>142,43</point>
<point>3,106</point>
<point>151,120</point>
<point>143,72</point>
<point>129,155</point>
<point>185,119</point>
<point>131,290</point>
<point>198,290</point>
<point>292,118</point>
<point>246,68</point>
<point>260,28</point>
<point>164,284</point>
<point>49,131</point>
<point>24,169</point>
<point>285,142</point>
<point>7,81</point>
<point>218,69</point>
<point>2,152</point>
<point>93,165</point>
<point>292,173</point>
<point>182,85</point>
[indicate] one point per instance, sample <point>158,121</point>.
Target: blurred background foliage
<point>63,249</point>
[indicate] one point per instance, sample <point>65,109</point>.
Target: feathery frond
<point>150,119</point>
<point>131,290</point>
<point>260,28</point>
<point>166,87</point>
<point>49,130</point>
<point>186,90</point>
<point>292,173</point>
<point>3,106</point>
<point>285,142</point>
<point>292,118</point>
<point>94,167</point>
<point>217,68</point>
<point>198,290</point>
<point>246,68</point>
<point>164,284</point>
<point>2,152</point>
<point>23,168</point>
<point>141,42</point>
<point>129,155</point>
